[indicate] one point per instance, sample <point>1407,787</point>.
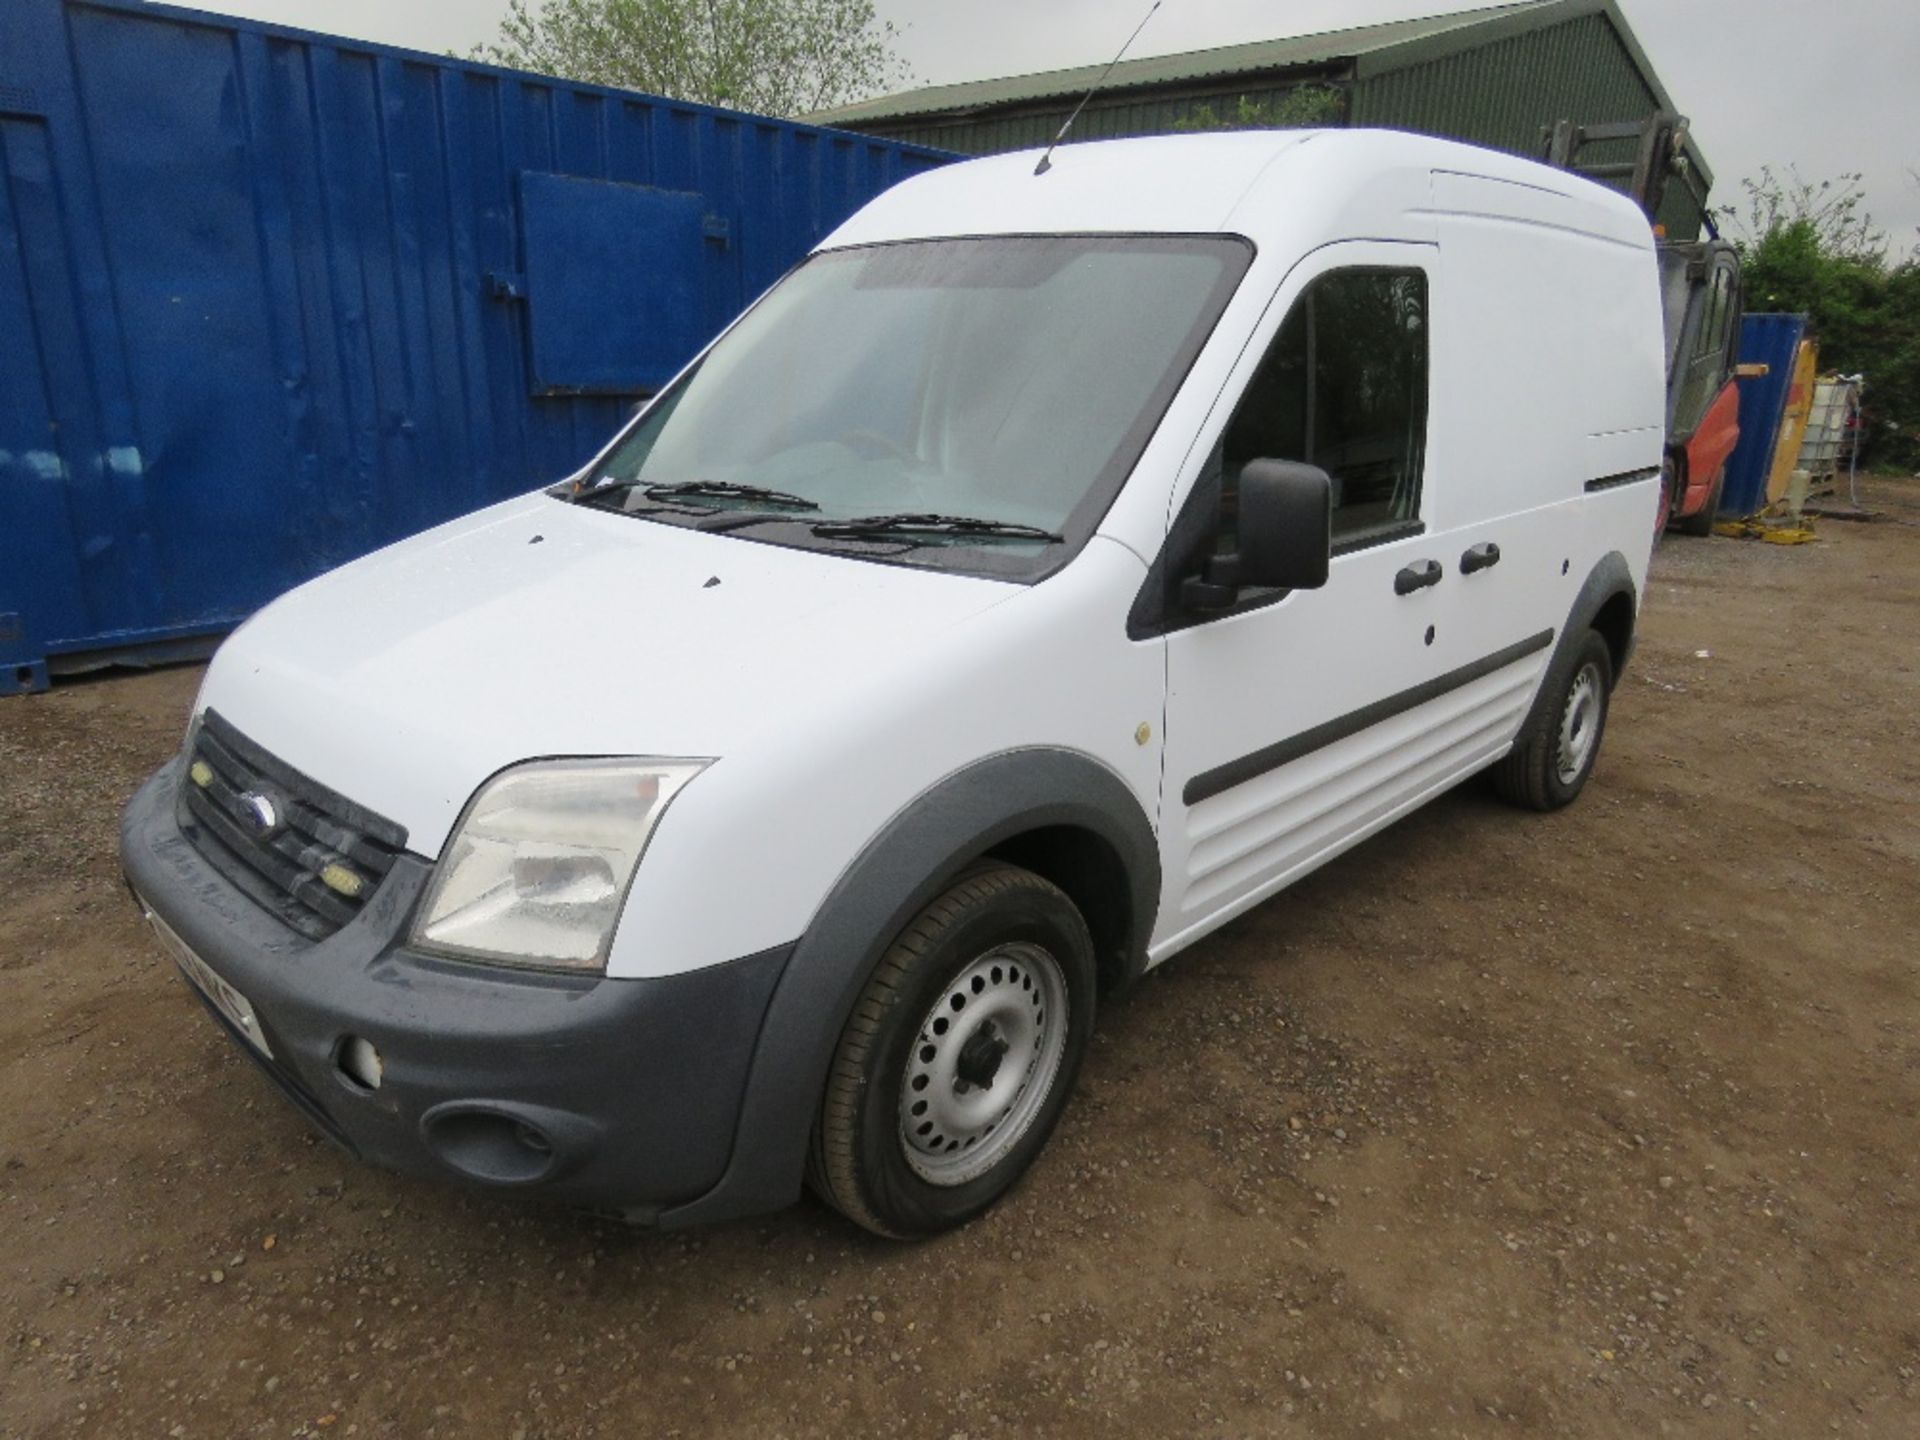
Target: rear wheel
<point>959,1056</point>
<point>1669,491</point>
<point>1702,524</point>
<point>1551,760</point>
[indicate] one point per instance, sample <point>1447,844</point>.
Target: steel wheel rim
<point>1579,725</point>
<point>984,1061</point>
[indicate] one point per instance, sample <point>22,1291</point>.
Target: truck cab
<point>1701,311</point>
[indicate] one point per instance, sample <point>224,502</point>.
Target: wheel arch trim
<point>1609,581</point>
<point>910,861</point>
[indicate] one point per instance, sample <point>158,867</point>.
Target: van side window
<point>1343,387</point>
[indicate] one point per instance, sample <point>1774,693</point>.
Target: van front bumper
<point>614,1094</point>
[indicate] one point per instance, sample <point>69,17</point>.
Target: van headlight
<point>537,870</point>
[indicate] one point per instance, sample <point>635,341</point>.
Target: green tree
<point>1301,108</point>
<point>1812,248</point>
<point>773,57</point>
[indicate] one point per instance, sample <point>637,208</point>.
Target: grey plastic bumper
<point>619,1094</point>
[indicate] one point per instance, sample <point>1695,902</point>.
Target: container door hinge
<point>716,229</point>
<point>21,674</point>
<point>506,285</point>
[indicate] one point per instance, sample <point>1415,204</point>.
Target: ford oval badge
<point>262,815</point>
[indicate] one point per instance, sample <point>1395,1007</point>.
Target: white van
<point>1051,567</point>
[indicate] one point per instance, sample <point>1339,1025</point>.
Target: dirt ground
<point>1593,1124</point>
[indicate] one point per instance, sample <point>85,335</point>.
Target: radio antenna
<point>1046,160</point>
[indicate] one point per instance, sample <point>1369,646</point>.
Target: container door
<point>620,283</point>
<point>45,416</point>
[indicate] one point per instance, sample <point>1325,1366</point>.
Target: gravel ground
<point>1599,1123</point>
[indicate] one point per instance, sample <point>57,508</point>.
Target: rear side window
<point>1343,387</point>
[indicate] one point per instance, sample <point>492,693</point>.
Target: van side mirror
<point>1286,525</point>
<point>1285,536</point>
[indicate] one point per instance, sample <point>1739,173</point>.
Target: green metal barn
<point>1496,76</point>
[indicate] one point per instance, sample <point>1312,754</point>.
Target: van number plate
<point>227,1000</point>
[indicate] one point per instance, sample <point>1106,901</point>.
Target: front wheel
<point>959,1056</point>
<point>1554,754</point>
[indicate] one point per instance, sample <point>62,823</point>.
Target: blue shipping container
<point>270,300</point>
<point>1773,341</point>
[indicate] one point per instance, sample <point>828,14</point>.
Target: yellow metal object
<point>201,772</point>
<point>342,881</point>
<point>1793,424</point>
<point>1774,532</point>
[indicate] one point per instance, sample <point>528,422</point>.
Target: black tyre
<point>1669,492</point>
<point>1553,756</point>
<point>959,1056</point>
<point>1701,525</point>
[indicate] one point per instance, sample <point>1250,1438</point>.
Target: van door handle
<point>1417,576</point>
<point>1480,557</point>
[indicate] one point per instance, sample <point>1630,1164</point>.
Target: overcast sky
<point>1828,87</point>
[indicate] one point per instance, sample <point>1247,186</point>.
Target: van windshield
<point>1011,380</point>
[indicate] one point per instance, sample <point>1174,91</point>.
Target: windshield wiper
<point>693,489</point>
<point>727,490</point>
<point>969,527</point>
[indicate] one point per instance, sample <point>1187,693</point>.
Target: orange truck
<point>1700,285</point>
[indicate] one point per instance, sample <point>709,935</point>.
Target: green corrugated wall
<point>1106,118</point>
<point>1501,94</point>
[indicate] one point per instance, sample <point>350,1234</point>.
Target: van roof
<point>1338,183</point>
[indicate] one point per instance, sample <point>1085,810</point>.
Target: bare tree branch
<point>1836,209</point>
<point>776,57</point>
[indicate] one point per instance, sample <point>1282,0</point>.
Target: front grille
<point>230,790</point>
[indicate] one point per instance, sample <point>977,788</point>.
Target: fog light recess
<point>491,1146</point>
<point>360,1062</point>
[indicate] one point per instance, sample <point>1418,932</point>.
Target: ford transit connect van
<point>1050,568</point>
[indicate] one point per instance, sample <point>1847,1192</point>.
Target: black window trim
<point>1142,626</point>
<point>1378,535</point>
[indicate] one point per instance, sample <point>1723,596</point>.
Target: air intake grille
<point>310,856</point>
